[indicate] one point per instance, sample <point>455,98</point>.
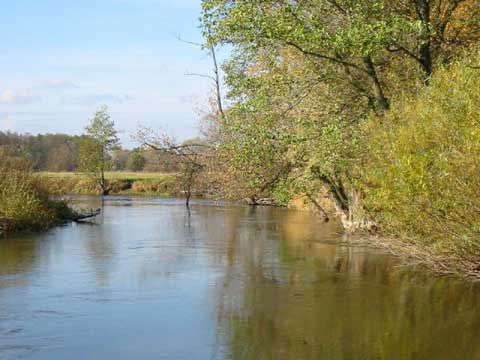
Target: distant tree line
<point>60,153</point>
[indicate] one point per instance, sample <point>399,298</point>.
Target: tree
<point>361,38</point>
<point>47,152</point>
<point>305,75</point>
<point>95,150</point>
<point>61,158</point>
<point>215,75</point>
<point>120,158</point>
<point>192,156</point>
<point>136,161</point>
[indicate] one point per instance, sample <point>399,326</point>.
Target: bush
<point>422,174</point>
<point>24,202</point>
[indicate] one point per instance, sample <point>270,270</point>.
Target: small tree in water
<point>96,147</point>
<point>191,156</point>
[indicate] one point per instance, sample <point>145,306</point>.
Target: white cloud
<point>9,97</point>
<point>95,99</point>
<point>58,84</point>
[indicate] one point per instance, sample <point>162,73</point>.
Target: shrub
<point>24,202</point>
<point>422,173</point>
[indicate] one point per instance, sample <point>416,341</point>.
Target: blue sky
<point>60,60</point>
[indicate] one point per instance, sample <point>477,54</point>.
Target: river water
<point>151,280</point>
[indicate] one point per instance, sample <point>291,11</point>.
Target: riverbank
<point>412,255</point>
<point>410,250</point>
<point>121,183</point>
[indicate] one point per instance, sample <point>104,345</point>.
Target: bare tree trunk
<point>216,72</point>
<point>188,185</point>
<point>188,191</point>
<point>189,195</point>
<point>102,183</point>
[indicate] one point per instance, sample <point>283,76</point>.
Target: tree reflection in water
<point>292,293</point>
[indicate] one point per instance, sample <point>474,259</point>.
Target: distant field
<point>62,183</point>
<point>111,175</point>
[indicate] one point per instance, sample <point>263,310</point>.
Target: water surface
<point>151,280</point>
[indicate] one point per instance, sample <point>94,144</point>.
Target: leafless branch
<point>201,75</point>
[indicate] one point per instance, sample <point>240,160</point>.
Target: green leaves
<point>102,129</point>
<point>422,174</point>
<point>95,149</point>
<point>360,28</point>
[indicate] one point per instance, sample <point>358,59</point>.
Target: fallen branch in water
<point>78,217</point>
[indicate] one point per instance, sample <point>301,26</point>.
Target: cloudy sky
<point>60,60</point>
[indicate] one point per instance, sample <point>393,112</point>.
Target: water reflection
<point>311,299</point>
<point>155,280</point>
<point>17,257</point>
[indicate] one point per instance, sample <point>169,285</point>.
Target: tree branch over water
<point>192,155</point>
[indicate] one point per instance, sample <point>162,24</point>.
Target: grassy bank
<point>62,183</point>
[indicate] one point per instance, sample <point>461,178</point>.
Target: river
<point>151,280</point>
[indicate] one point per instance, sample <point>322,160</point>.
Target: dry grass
<point>111,175</point>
